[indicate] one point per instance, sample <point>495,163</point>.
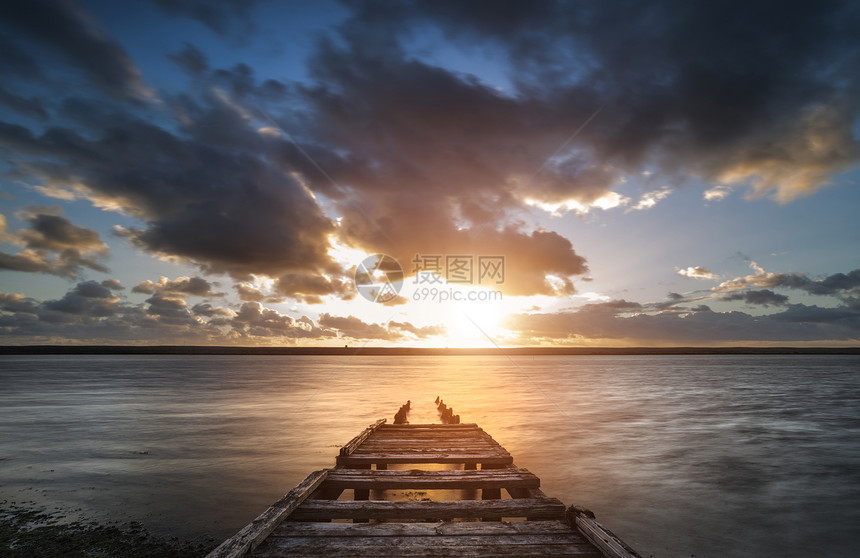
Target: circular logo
<point>379,278</point>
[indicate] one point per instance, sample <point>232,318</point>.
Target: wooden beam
<point>357,441</point>
<point>421,546</point>
<point>453,457</point>
<point>451,528</point>
<point>256,532</point>
<point>507,478</point>
<point>433,426</point>
<point>323,510</point>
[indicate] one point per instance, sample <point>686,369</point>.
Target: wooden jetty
<point>331,512</point>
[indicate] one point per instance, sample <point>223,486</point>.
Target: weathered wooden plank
<point>434,426</point>
<point>376,439</point>
<point>430,440</point>
<point>411,542</point>
<point>362,436</point>
<point>601,537</point>
<point>476,551</point>
<point>484,459</point>
<point>442,429</point>
<point>452,528</point>
<point>322,510</point>
<point>494,452</point>
<point>256,532</point>
<point>477,433</point>
<point>390,480</point>
<point>446,440</point>
<point>437,447</point>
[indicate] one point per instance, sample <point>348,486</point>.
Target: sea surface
<point>708,456</point>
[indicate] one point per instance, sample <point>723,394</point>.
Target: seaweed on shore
<point>27,533</point>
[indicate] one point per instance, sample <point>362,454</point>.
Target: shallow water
<point>716,456</point>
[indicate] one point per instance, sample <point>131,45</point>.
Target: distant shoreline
<point>412,351</point>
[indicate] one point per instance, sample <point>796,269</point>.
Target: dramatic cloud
<point>222,16</point>
<point>88,298</point>
<point>191,60</point>
<point>311,288</point>
<point>763,297</point>
<point>248,293</point>
<point>65,30</point>
<point>839,284</point>
<point>28,106</point>
<point>257,321</point>
<point>222,207</point>
<point>53,245</point>
<point>379,149</point>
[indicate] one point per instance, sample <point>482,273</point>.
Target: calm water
<point>716,456</point>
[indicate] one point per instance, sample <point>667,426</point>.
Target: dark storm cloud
<point>221,16</point>
<point>222,207</point>
<point>764,297</point>
<point>67,31</point>
<point>27,106</point>
<point>191,60</point>
<point>729,91</point>
<point>310,288</point>
<point>54,245</point>
<point>432,161</point>
<point>419,159</point>
<point>17,62</point>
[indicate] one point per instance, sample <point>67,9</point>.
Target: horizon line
<point>410,351</point>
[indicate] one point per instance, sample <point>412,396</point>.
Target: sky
<point>430,173</point>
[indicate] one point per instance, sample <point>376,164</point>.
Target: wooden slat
<point>357,441</point>
<point>323,510</point>
<point>256,532</point>
<point>434,426</point>
<point>454,450</point>
<point>365,459</point>
<point>601,537</point>
<point>454,430</point>
<point>299,529</point>
<point>377,439</point>
<point>409,545</point>
<point>321,548</point>
<point>391,480</point>
<point>436,447</point>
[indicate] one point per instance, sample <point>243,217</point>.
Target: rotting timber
<point>452,476</point>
